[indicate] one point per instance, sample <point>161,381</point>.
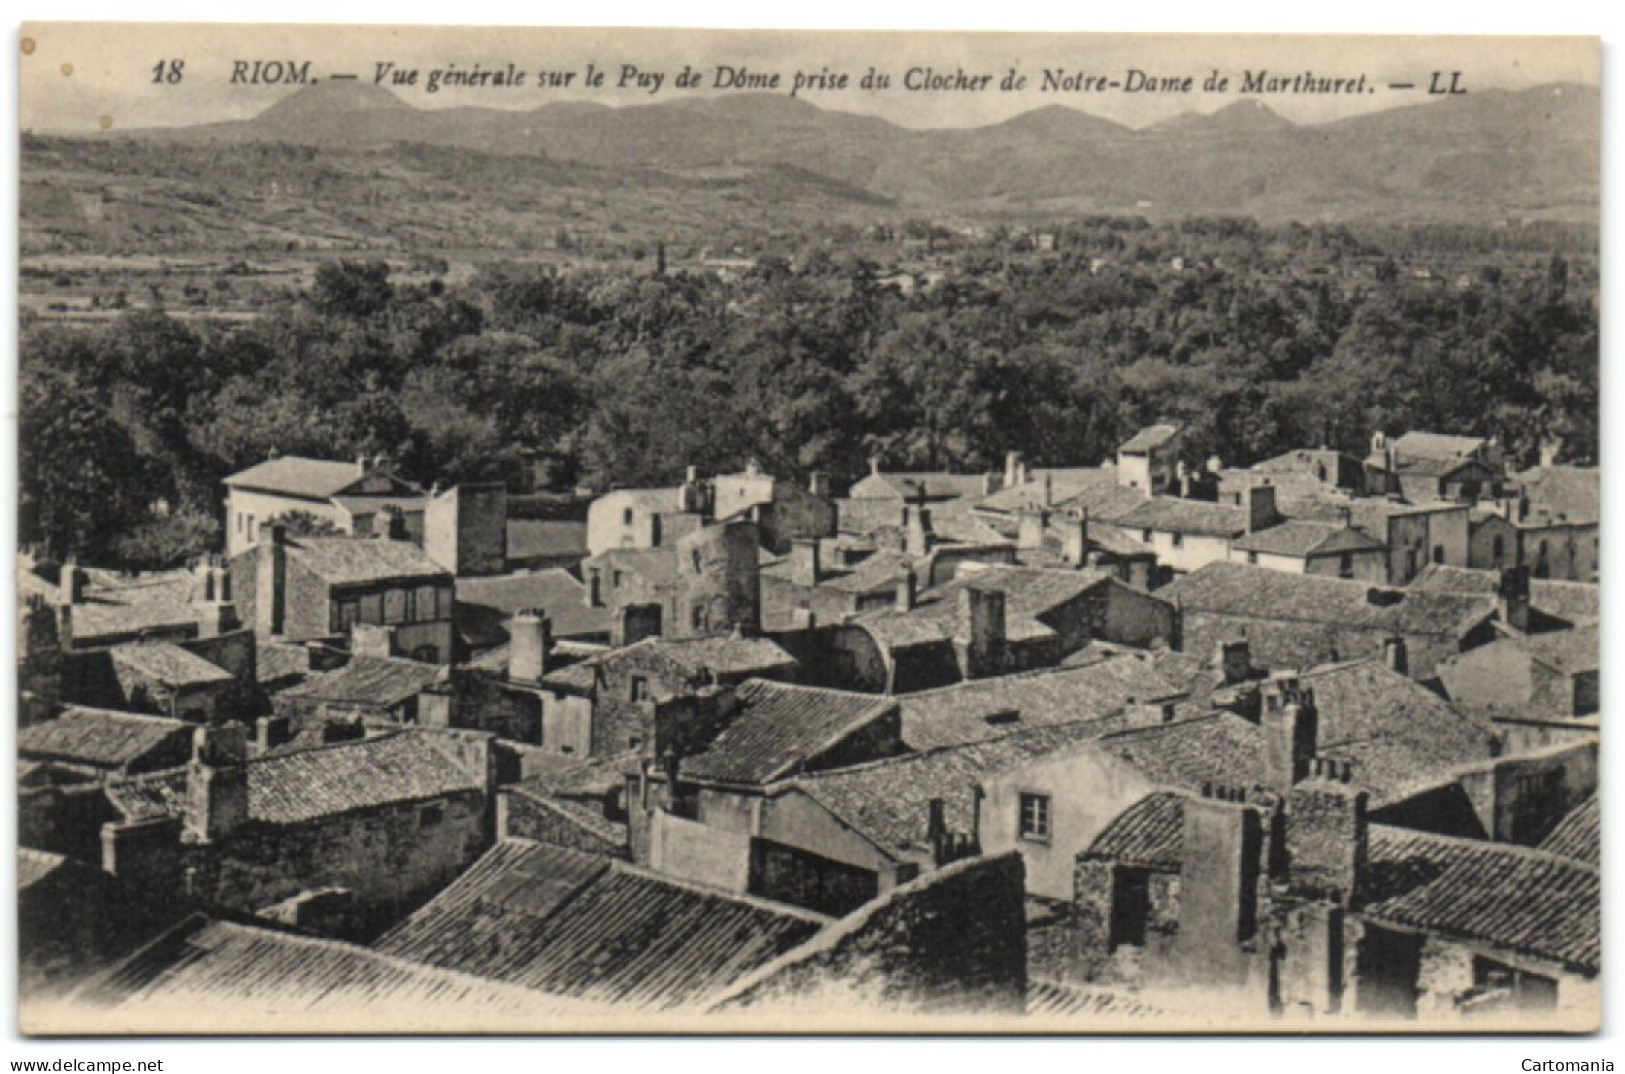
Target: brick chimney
<point>805,566</point>
<point>982,612</point>
<point>530,642</point>
<point>216,783</point>
<point>271,580</point>
<point>1289,723</point>
<point>1512,594</point>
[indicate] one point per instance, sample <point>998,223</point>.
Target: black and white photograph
<point>542,531</point>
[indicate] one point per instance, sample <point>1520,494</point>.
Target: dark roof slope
<point>1221,748</point>
<point>1150,834</point>
<point>1152,436</point>
<point>355,560</point>
<point>556,592</point>
<point>1170,514</point>
<point>724,654</point>
<point>372,680</point>
<point>169,664</point>
<point>295,787</point>
<point>573,924</point>
<point>1579,834</point>
<point>781,728</point>
<point>1303,538</point>
<point>99,737</point>
<point>1529,901</point>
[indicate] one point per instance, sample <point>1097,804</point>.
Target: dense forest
<point>1256,338</point>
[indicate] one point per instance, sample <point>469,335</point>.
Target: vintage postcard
<point>570,531</point>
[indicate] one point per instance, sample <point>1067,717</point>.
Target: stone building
<point>348,495</point>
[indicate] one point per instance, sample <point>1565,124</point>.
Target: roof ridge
<point>1493,846</point>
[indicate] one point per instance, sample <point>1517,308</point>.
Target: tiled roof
<point>659,501</point>
<point>35,865</point>
<point>556,592</point>
<point>1106,502</point>
<point>1435,467</point>
<point>1152,436</point>
<point>312,478</point>
<point>169,664</point>
<point>780,728</point>
<point>1400,735</point>
<point>1436,445</point>
<point>1056,999</point>
<point>1579,834</point>
<point>573,924</point>
<point>1568,652</point>
<point>1303,538</point>
<point>172,587</point>
<point>370,680</point>
<point>1030,593</point>
<point>887,801</point>
<point>1062,484</point>
<point>1299,460</point>
<point>1221,748</point>
<point>723,654</point>
<point>577,777</point>
<point>1150,834</point>
<point>97,617</point>
<point>275,660</point>
<point>934,486</point>
<point>1571,493</point>
<point>1170,514</point>
<point>989,708</point>
<point>576,678</point>
<point>902,630</point>
<point>350,560</point>
<point>1528,901</point>
<point>586,816</point>
<point>217,976</point>
<point>880,571</point>
<point>296,787</point>
<point>1235,589</point>
<point>149,797</point>
<point>1574,602</point>
<point>99,737</point>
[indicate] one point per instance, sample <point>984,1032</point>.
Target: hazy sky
<point>111,68</point>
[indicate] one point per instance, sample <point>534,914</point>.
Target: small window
<point>1179,540</point>
<point>251,529</point>
<point>633,742</point>
<point>1498,548</point>
<point>1345,565</point>
<point>1438,553</point>
<point>696,618</point>
<point>426,654</point>
<point>1145,536</point>
<point>1035,817</point>
<point>431,816</point>
<point>1252,558</point>
<point>1005,718</point>
<point>348,613</point>
<point>615,581</point>
<point>626,517</point>
<point>639,689</point>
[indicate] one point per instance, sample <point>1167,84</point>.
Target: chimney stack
<point>216,783</point>
<point>1261,507</point>
<point>1015,472</point>
<point>1290,730</point>
<point>874,465</point>
<point>1512,594</point>
<point>1075,537</point>
<point>982,612</point>
<point>1234,659</point>
<point>918,536</point>
<point>530,641</point>
<point>818,484</point>
<point>391,523</point>
<point>1326,837</point>
<point>1394,654</point>
<point>71,582</point>
<point>805,568</point>
<point>1030,534</point>
<point>271,580</point>
<point>906,590</point>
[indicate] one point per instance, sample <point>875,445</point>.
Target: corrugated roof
<point>888,801</point>
<point>169,664</point>
<point>353,560</point>
<point>365,774</point>
<point>310,478</point>
<point>99,737</point>
<point>573,924</point>
<point>1528,901</point>
<point>989,708</point>
<point>1579,834</point>
<point>371,680</point>
<point>779,728</point>
<point>1152,436</point>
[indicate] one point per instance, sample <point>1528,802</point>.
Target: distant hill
<point>1483,156</point>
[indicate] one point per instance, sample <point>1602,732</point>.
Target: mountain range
<point>1488,154</point>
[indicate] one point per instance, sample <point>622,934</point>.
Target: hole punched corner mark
<point>28,46</point>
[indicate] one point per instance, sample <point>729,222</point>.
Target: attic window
<point>1002,718</point>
